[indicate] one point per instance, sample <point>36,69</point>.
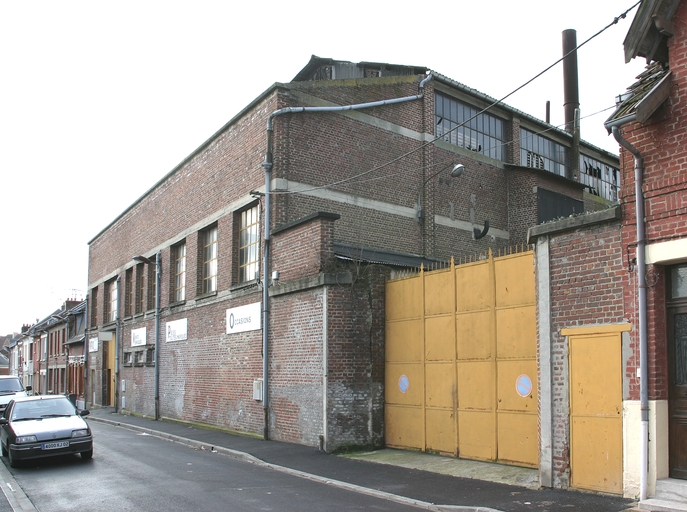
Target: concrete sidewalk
<point>429,482</point>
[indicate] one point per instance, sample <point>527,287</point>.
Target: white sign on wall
<point>138,337</point>
<point>244,318</point>
<point>93,344</point>
<point>177,330</point>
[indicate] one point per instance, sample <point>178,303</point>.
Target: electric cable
<point>493,104</point>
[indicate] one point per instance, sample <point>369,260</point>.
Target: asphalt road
<point>132,471</point>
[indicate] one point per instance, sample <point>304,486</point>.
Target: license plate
<point>55,445</point>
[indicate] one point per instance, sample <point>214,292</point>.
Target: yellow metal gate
<point>461,372</point>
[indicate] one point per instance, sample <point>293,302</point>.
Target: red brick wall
<point>587,275</point>
<point>209,377</point>
<point>662,143</point>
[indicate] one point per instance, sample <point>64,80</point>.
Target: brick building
<point>618,280</point>
<point>352,166</point>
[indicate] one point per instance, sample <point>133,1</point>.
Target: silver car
<point>43,426</point>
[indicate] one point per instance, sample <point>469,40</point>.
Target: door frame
<point>674,306</point>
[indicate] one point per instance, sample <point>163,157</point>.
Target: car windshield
<point>10,386</point>
<point>38,409</point>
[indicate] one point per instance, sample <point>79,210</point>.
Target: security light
<point>457,170</point>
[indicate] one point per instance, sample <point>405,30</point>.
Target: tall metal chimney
<point>571,99</point>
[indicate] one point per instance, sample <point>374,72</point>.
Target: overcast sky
<point>99,100</point>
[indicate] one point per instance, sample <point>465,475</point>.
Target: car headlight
<point>25,439</point>
<point>80,433</point>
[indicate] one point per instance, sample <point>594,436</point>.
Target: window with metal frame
<point>542,153</point>
<point>600,179</point>
<point>249,244</point>
<point>209,269</point>
<point>462,125</point>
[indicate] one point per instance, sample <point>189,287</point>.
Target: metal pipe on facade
<point>642,313</point>
<point>117,343</point>
<point>85,355</point>
<point>158,271</point>
<point>267,165</point>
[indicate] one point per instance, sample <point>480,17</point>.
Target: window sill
<point>247,284</point>
<point>177,304</point>
<point>206,296</point>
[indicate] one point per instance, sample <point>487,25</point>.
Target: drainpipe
<point>117,340</point>
<point>641,299</point>
<point>158,271</point>
<point>267,165</point>
<point>325,366</point>
<point>85,354</point>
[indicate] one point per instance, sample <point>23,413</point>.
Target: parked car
<point>44,426</point>
<point>10,387</point>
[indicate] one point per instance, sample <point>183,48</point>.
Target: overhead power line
<point>492,105</point>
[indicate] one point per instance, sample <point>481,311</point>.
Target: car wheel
<point>87,455</point>
<point>13,462</point>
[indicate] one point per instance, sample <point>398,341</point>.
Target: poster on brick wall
<point>244,318</point>
<point>177,330</point>
<point>93,344</point>
<point>138,337</point>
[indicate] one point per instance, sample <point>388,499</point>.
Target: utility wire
<point>496,102</point>
<point>448,161</point>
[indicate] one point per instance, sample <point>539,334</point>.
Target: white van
<point>10,388</point>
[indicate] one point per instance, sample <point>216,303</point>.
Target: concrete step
<point>671,489</point>
<point>659,505</point>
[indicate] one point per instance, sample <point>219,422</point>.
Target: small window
<point>128,357</point>
<point>129,292</point>
<point>179,252</point>
<point>150,356</point>
<point>209,259</point>
<point>249,244</point>
<point>678,281</point>
<point>139,356</point>
<point>152,285</point>
<point>140,288</point>
<point>111,301</point>
<point>93,303</point>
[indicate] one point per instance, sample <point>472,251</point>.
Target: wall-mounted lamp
<point>458,170</point>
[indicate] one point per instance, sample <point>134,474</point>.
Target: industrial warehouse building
<point>312,329</point>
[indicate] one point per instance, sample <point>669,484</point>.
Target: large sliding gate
<point>461,370</point>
